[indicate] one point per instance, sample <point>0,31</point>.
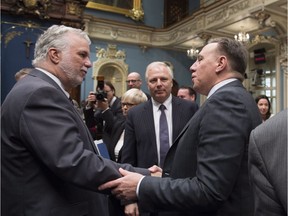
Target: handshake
<point>125,188</point>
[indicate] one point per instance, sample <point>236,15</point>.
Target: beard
<point>71,73</point>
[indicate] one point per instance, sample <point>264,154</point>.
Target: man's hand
<point>131,210</point>
<point>125,187</point>
<point>155,171</point>
<point>91,99</point>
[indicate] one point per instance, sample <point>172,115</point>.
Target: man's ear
<point>222,63</point>
<point>54,55</point>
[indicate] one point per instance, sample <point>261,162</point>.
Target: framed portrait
<point>129,8</point>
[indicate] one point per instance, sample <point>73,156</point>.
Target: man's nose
<point>193,67</point>
<point>88,63</point>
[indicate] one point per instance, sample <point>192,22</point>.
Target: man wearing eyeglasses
<point>134,81</point>
<point>95,110</point>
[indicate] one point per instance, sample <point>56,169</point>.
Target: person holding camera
<point>97,104</point>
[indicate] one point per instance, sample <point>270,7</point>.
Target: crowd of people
<point>167,155</point>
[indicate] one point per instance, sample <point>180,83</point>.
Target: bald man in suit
<point>268,166</point>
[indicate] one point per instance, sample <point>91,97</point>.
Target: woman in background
<point>264,106</point>
<point>115,127</point>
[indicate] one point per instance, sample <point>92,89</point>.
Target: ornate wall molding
<point>204,21</point>
<point>111,64</point>
<point>69,12</point>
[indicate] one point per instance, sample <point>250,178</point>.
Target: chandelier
<point>192,53</point>
<point>242,37</point>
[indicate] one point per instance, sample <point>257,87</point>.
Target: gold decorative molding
<point>111,64</point>
<point>10,33</point>
<point>73,9</point>
<point>10,36</point>
<point>135,12</point>
<point>204,24</point>
<point>68,12</point>
<point>223,13</point>
<point>110,53</point>
<point>37,7</point>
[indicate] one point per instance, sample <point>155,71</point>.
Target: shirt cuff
<point>138,186</point>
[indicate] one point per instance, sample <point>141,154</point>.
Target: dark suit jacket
<point>113,128</point>
<point>140,148</point>
<point>268,166</point>
<point>49,164</point>
<point>206,168</point>
<point>95,119</point>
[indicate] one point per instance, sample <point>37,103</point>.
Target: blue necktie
<point>164,135</point>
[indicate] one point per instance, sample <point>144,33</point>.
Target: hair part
<point>268,114</point>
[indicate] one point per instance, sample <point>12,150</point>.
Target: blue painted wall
<point>138,61</point>
<point>13,53</point>
<point>135,58</point>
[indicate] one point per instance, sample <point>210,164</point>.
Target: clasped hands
<point>124,188</point>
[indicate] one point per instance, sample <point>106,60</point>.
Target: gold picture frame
<point>116,6</point>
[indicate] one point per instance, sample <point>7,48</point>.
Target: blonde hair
<point>135,96</point>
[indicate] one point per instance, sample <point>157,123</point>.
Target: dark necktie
<point>164,135</point>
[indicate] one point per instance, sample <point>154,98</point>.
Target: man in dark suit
<point>93,112</point>
<point>141,141</point>
<point>206,169</point>
<point>268,166</point>
<point>49,164</point>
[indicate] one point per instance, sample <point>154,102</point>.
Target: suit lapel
<point>175,117</point>
<point>46,78</point>
<point>148,116</point>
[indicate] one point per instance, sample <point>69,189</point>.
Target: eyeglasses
<point>133,81</point>
<point>127,104</point>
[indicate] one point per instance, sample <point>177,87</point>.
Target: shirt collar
<point>166,103</point>
<point>219,85</point>
<point>112,101</point>
<point>55,79</point>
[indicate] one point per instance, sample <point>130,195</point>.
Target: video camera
<point>100,93</point>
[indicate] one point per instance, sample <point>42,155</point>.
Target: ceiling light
<point>192,53</point>
<point>242,37</point>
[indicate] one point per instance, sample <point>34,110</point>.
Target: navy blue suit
<point>140,148</point>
